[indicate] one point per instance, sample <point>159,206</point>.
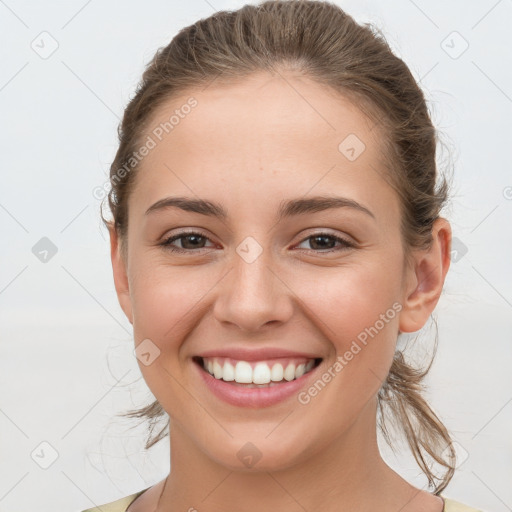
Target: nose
<point>253,294</point>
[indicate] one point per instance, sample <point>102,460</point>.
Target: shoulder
<point>455,506</point>
<point>119,505</point>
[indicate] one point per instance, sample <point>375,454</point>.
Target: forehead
<point>267,134</point>
<point>268,109</point>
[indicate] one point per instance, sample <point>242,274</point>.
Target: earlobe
<point>427,278</point>
<point>120,274</point>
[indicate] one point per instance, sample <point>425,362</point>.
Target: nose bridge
<point>252,295</point>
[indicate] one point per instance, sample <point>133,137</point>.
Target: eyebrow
<point>288,208</point>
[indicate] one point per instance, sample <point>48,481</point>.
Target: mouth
<point>257,374</point>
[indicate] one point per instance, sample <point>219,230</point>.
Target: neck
<point>348,473</point>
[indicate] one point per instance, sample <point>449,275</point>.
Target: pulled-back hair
<point>319,40</point>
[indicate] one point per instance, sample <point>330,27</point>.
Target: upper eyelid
<point>180,234</point>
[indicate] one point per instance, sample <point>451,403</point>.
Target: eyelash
<point>167,243</point>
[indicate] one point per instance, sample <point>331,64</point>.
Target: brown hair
<point>322,42</point>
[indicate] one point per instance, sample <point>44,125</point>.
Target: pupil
<point>194,237</point>
<point>322,245</point>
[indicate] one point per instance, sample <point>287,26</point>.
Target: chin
<point>261,454</point>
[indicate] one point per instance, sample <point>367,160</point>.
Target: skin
<point>248,146</point>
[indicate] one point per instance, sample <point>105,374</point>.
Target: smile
<point>255,383</point>
<point>257,373</point>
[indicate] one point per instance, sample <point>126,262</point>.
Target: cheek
<point>165,299</point>
<point>348,300</point>
<point>166,303</point>
<point>357,310</point>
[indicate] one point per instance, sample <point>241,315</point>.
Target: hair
<point>322,42</point>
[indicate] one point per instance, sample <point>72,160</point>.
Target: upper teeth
<point>259,372</point>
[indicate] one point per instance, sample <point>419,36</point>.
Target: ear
<point>120,275</point>
<point>425,281</point>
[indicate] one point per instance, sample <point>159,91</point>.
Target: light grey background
<point>66,364</point>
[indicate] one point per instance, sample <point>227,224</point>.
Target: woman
<point>275,228</point>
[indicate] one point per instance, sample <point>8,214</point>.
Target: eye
<point>325,241</point>
<point>189,240</point>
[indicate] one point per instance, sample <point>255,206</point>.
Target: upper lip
<point>256,354</point>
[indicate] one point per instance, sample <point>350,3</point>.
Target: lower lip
<point>253,397</point>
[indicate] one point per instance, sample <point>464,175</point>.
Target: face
<point>312,282</point>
